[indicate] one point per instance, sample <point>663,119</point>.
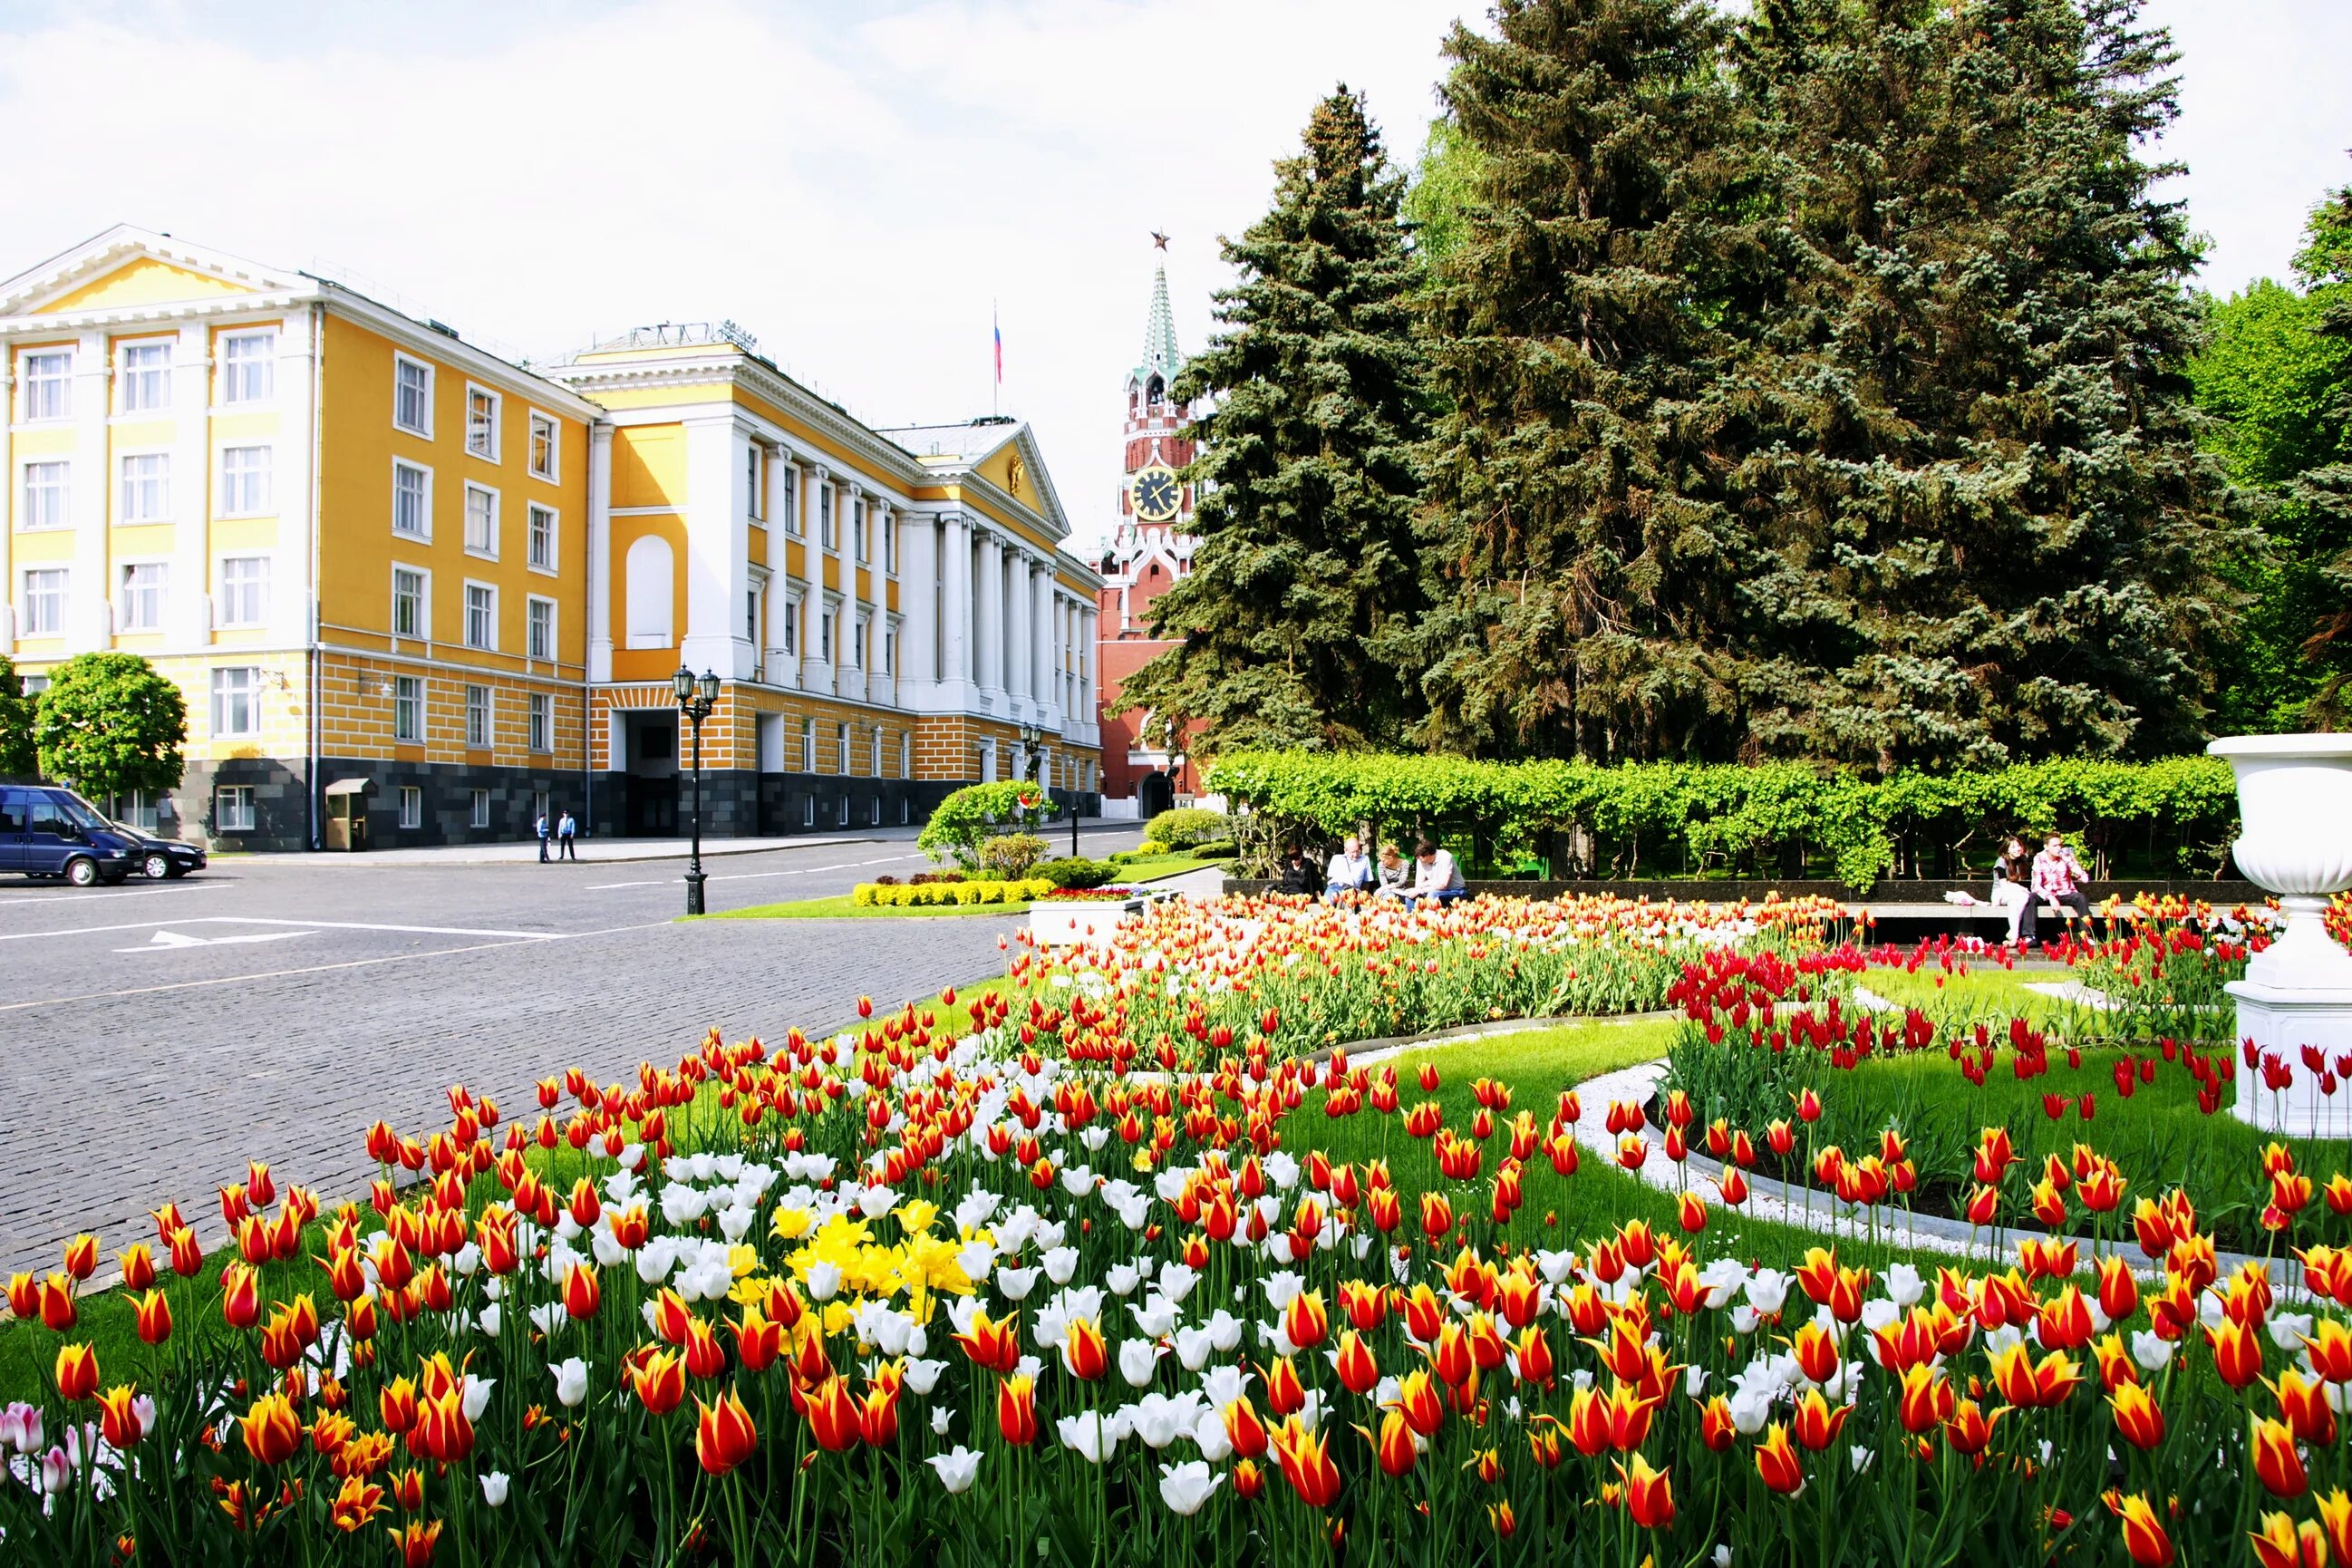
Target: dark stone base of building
<point>740,804</point>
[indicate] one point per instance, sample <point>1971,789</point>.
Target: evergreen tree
<point>1306,562</point>
<point>2319,501</point>
<point>1585,566</point>
<point>1988,528</point>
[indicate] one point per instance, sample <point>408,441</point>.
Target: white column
<point>955,613</point>
<point>601,573</point>
<point>919,601</point>
<point>783,668</point>
<point>718,547</point>
<point>293,576</point>
<point>883,684</point>
<point>816,654</point>
<point>187,579</point>
<point>988,622</point>
<point>857,653</point>
<point>90,602</point>
<point>1044,687</point>
<point>1020,604</point>
<point>1088,650</point>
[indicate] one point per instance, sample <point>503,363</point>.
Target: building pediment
<point>133,270</point>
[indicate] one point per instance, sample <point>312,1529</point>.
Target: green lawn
<point>839,907</point>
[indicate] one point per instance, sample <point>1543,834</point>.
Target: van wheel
<point>81,872</point>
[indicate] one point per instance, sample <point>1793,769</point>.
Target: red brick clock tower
<point>1150,547</point>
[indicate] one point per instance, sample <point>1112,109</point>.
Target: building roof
<point>963,442</point>
<point>1159,355</point>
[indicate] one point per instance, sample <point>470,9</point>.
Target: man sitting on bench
<point>2058,879</point>
<point>1435,877</point>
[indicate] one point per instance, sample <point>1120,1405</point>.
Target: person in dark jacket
<point>1298,873</point>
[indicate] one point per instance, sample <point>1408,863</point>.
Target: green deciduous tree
<point>109,724</point>
<point>16,753</point>
<point>1306,570</point>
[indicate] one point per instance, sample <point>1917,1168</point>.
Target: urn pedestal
<point>2294,807</point>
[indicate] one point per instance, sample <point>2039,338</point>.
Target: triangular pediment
<point>132,269</point>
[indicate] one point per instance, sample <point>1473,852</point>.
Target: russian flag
<point>998,333</point>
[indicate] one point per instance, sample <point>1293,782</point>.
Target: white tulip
<point>571,1381</point>
<point>489,1318</point>
<point>1060,1263</point>
<point>1194,1348</point>
<point>1137,1360</point>
<point>940,1421</point>
<point>1185,1487</point>
<point>823,1281</point>
<point>1089,1435</point>
<point>1014,1284</point>
<point>1209,1433</point>
<point>1904,1286</point>
<point>477,1396</point>
<point>1123,1278</point>
<point>922,1376</point>
<point>1766,1290</point>
<point>2152,1352</point>
<point>494,1488</point>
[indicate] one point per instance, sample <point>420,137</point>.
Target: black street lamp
<point>695,698</point>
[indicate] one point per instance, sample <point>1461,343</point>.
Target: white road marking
<point>758,876</point>
<point>266,920</point>
<point>172,941</point>
<point>28,898</point>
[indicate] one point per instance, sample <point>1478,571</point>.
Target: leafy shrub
<point>920,877</point>
<point>1184,827</point>
<point>1076,871</point>
<point>1009,855</point>
<point>886,881</point>
<point>968,818</point>
<point>1216,848</point>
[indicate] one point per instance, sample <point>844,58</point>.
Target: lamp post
<point>695,698</point>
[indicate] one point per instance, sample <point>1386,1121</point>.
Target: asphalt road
<point>154,1037</point>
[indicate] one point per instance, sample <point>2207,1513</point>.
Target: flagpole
<point>996,335</point>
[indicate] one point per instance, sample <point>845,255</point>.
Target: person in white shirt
<point>1435,876</point>
<point>1351,870</point>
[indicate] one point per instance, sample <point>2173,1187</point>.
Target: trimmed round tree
<point>109,724</point>
<point>15,722</point>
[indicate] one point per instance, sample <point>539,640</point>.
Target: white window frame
<point>808,744</point>
<point>159,591</point>
<point>828,519</point>
<point>263,505</point>
<point>755,478</point>
<point>792,624</point>
<point>423,431</point>
<point>484,452</point>
<point>233,809</point>
<point>59,598</point>
<point>539,723</point>
<point>841,752</point>
<point>533,604</point>
<point>221,712</point>
<point>229,592</point>
<point>861,543</point>
<point>28,381</point>
<point>489,551</point>
<point>858,624</point>
<point>828,624</point>
<point>408,692</point>
<point>905,755</point>
<point>226,391</point>
<point>425,506</point>
<point>162,480</point>
<point>481,705</point>
<point>478,811</point>
<point>62,491</point>
<point>532,512</point>
<point>412,806</point>
<point>553,472</point>
<point>491,616</point>
<point>129,379</point>
<point>890,627</point>
<point>889,547</point>
<point>423,575</point>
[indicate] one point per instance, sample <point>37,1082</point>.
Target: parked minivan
<point>45,831</point>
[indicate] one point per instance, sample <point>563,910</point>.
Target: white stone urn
<point>2294,807</point>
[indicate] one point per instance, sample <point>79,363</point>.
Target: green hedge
<point>2172,817</point>
<point>926,895</point>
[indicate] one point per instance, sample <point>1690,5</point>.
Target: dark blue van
<point>45,831</point>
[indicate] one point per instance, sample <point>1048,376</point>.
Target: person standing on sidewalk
<point>543,838</point>
<point>566,832</point>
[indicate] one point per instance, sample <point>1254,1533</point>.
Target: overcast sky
<point>860,184</point>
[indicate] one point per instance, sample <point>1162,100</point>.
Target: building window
<point>146,377</point>
<point>824,635</point>
<point>408,709</point>
<point>889,548</point>
<point>808,745</point>
<point>237,701</point>
<point>412,806</point>
<point>906,811</point>
<point>408,602</point>
<point>841,752</point>
<point>478,716</point>
<point>539,807</point>
<point>539,629</point>
<point>751,619</point>
<point>540,542</point>
<point>142,597</point>
<point>48,496</point>
<point>543,723</point>
<point>233,809</point>
<point>827,534</point>
<point>857,531</point>
<point>138,809</point>
<point>891,647</point>
<point>244,481</point>
<point>905,755</point>
<point>542,446</point>
<point>845,811</point>
<point>45,603</point>
<point>48,384</point>
<point>650,583</point>
<point>481,423</point>
<point>481,615</point>
<point>249,367</point>
<point>808,811</point>
<point>146,488</point>
<point>480,815</point>
<point>877,766</point>
<point>245,590</point>
<point>411,500</point>
<point>790,500</point>
<point>411,397</point>
<point>793,625</point>
<point>857,643</point>
<point>755,462</point>
<point>481,521</point>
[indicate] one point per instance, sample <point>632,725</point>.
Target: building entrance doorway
<point>649,785</point>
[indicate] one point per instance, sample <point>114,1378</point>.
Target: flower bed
<point>925,895</point>
<point>999,1279</point>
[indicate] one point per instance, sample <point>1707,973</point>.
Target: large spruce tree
<point>1306,565</point>
<point>1988,531</point>
<point>1607,270</point>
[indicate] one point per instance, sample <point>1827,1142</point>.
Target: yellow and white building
<point>400,577</point>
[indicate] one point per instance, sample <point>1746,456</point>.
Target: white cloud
<point>855,184</point>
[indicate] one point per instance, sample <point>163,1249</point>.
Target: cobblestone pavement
<point>152,1037</point>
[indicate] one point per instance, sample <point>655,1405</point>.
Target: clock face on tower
<point>1156,493</point>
